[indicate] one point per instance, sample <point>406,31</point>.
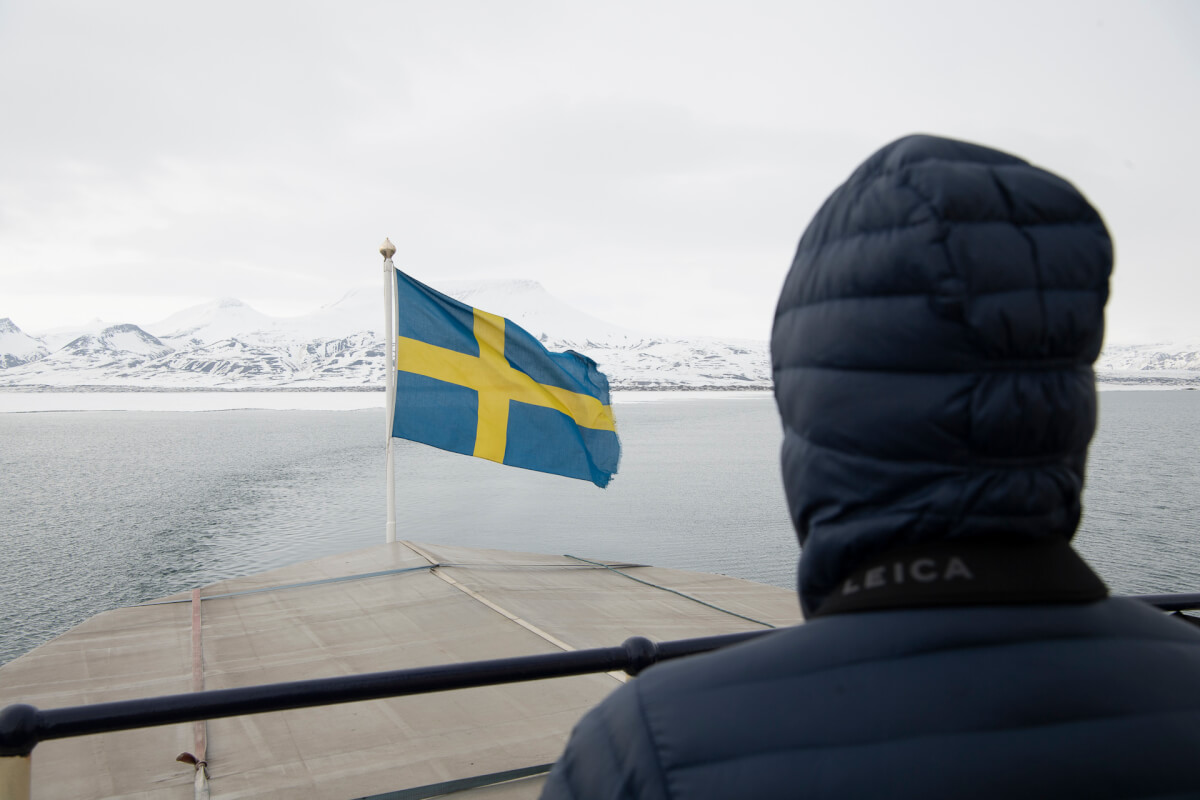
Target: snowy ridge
<point>1160,365</point>
<point>538,312</point>
<point>1150,357</point>
<point>116,351</point>
<point>226,344</point>
<point>211,322</point>
<point>57,337</point>
<point>17,347</point>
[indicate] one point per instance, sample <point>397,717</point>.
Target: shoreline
<point>50,401</point>
<point>45,399</point>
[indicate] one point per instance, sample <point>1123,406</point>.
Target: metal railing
<point>22,727</point>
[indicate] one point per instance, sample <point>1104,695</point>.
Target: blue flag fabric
<point>478,384</point>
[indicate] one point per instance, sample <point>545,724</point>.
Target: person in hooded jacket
<point>932,354</point>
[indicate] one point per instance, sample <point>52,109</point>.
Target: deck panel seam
<point>529,626</point>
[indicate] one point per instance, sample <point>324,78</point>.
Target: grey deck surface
<point>477,604</point>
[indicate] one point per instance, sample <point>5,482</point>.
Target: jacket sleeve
<point>611,755</point>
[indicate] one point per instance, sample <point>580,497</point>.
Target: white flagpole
<point>387,250</point>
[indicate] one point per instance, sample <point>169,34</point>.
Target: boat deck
<point>383,608</point>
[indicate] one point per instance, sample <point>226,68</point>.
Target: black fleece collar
<point>950,573</point>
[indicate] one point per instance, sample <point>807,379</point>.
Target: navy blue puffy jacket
<point>932,355</point>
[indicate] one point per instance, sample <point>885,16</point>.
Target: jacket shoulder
<point>933,699</point>
<point>611,754</point>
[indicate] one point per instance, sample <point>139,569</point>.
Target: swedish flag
<point>477,384</point>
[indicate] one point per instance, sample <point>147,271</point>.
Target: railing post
<point>18,737</point>
<point>15,777</point>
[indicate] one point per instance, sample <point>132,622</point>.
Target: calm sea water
<point>103,509</point>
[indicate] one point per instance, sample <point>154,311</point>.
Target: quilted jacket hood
<point>932,354</point>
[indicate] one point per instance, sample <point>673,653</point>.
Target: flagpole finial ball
<point>387,249</point>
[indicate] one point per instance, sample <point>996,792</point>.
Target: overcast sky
<point>652,163</point>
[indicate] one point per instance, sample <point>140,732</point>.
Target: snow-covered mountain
<point>18,347</point>
<point>1163,365</point>
<point>227,344</point>
<point>117,351</point>
<point>210,322</point>
<point>1150,357</point>
<point>55,338</point>
<point>537,311</point>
